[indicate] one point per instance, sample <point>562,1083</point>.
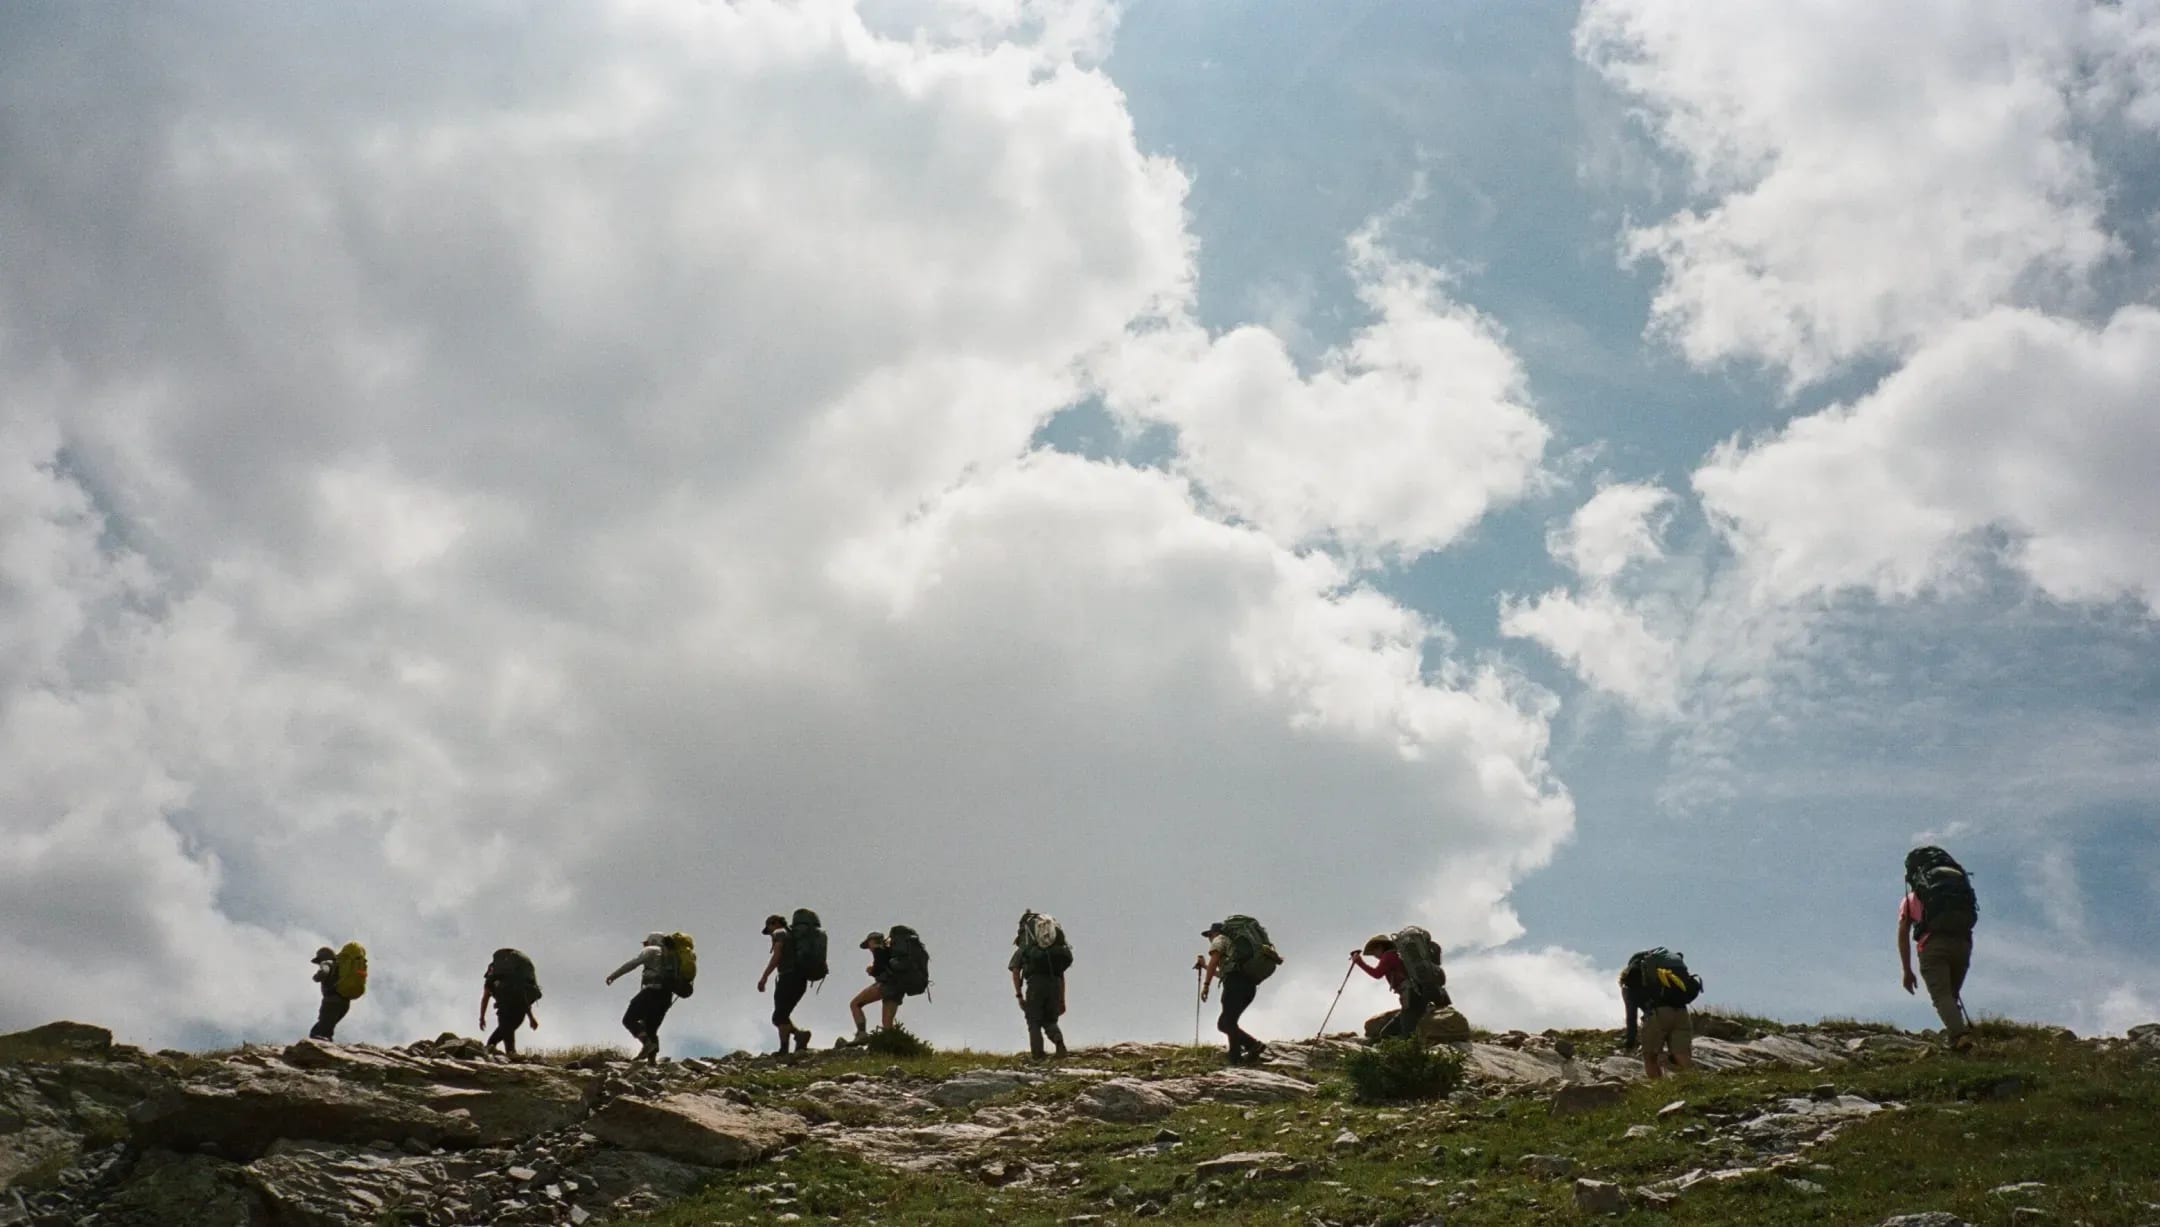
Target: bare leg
<point>855,1008</point>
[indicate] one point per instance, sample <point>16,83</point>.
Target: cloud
<point>537,506</point>
<point>1619,526</point>
<point>2031,427</point>
<point>1875,173</point>
<point>1398,442</point>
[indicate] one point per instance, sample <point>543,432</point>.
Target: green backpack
<point>1043,948</point>
<point>806,946</point>
<point>1422,972</point>
<point>1662,978</point>
<point>678,955</point>
<point>1253,957</point>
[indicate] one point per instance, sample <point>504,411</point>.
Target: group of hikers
<point>1936,915</point>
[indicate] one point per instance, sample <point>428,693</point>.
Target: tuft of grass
<point>565,1056</point>
<point>1393,1071</point>
<point>898,1042</point>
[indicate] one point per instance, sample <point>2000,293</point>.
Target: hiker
<point>1410,963</point>
<point>1039,960</point>
<point>798,956</point>
<point>1239,955</point>
<point>899,969</point>
<point>1658,984</point>
<point>1938,913</point>
<point>343,976</point>
<point>515,988</point>
<point>666,966</point>
<point>881,987</point>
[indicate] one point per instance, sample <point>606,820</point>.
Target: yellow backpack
<point>681,962</point>
<point>352,971</point>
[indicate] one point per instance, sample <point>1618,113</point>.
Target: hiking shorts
<point>890,990</point>
<point>1668,1028</point>
<point>787,993</point>
<point>646,1011</point>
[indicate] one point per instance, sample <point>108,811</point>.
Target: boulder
<point>1587,1097</point>
<point>1599,1197</point>
<point>241,1110</point>
<point>1242,1085</point>
<point>1444,1026</point>
<point>1717,1027</point>
<point>308,1185</point>
<point>67,1037</point>
<point>506,1103</point>
<point>970,1088</point>
<point>1241,1162</point>
<point>1501,1063</point>
<point>1124,1101</point>
<point>1549,1167</point>
<point>696,1128</point>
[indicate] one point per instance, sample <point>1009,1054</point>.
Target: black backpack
<point>511,974</point>
<point>1948,905</point>
<point>806,946</point>
<point>907,963</point>
<point>1420,956</point>
<point>1661,978</point>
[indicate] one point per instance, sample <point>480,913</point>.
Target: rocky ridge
<point>436,1133</point>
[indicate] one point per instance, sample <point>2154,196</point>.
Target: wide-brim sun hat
<point>874,939</point>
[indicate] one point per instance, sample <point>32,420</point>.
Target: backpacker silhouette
<point>1948,905</point>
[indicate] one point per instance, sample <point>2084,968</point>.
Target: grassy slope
<point>2086,1123</point>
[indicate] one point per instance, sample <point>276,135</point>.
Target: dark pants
<point>1044,1002</point>
<point>1943,965</point>
<point>646,1011</point>
<point>333,1008</point>
<point>509,1016</point>
<point>1405,1023</point>
<point>1237,994</point>
<point>787,993</point>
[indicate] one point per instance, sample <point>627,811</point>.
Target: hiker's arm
<point>624,970</point>
<point>1370,969</point>
<point>485,993</point>
<point>1627,997</point>
<point>532,1016</point>
<point>772,964</point>
<point>1214,971</point>
<point>1904,947</point>
<point>1016,984</point>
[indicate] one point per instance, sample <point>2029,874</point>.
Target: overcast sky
<point>1574,477</point>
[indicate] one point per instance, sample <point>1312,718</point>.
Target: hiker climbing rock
<point>1240,956</point>
<point>667,969</point>
<point>798,958</point>
<point>1657,984</point>
<point>1039,959</point>
<point>1409,960</point>
<point>514,986</point>
<point>899,969</point>
<point>342,973</point>
<point>1938,913</point>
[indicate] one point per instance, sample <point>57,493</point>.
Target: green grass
<point>1399,1070</point>
<point>2027,1105</point>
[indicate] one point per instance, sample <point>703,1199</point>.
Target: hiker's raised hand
<point>1909,981</point>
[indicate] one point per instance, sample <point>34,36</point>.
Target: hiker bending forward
<point>1387,965</point>
<point>1238,992</point>
<point>1657,984</point>
<point>882,987</point>
<point>655,994</point>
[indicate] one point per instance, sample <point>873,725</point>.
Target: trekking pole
<point>1198,964</point>
<point>1332,1004</point>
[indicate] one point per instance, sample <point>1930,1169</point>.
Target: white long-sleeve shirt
<point>651,959</point>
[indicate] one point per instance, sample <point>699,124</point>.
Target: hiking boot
<point>649,1051</point>
<point>802,1040</point>
<point>1963,1043</point>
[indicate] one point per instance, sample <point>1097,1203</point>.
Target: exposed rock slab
<point>696,1128</point>
<point>972,1087</point>
<point>1126,1101</point>
<point>345,1186</point>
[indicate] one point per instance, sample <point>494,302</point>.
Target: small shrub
<point>897,1041</point>
<point>1399,1069</point>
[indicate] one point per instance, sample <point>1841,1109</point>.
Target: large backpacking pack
<point>352,971</point>
<point>1422,971</point>
<point>907,961</point>
<point>1661,978</point>
<point>512,976</point>
<point>1253,957</point>
<point>1043,948</point>
<point>806,946</point>
<point>1948,906</point>
<point>678,963</point>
